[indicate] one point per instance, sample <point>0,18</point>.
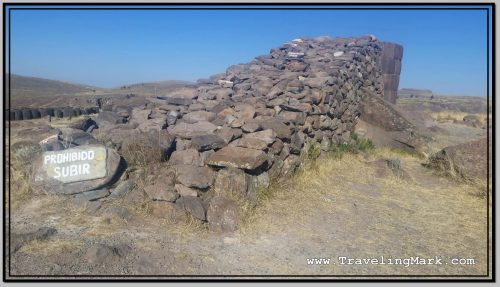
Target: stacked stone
<point>390,63</point>
<point>236,131</point>
<point>59,112</point>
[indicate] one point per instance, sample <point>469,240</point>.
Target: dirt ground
<point>336,207</point>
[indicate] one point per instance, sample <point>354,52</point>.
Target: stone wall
<point>236,131</point>
<point>58,112</point>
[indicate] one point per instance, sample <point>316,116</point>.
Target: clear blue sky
<point>444,51</point>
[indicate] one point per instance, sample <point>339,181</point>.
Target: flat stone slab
<point>207,142</point>
<point>281,130</point>
<point>188,131</point>
<point>253,143</point>
<point>198,116</point>
<point>238,157</point>
<point>268,136</point>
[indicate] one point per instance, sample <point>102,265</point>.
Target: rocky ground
<point>366,208</point>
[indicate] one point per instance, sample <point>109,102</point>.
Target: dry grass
<point>20,188</point>
<point>59,123</point>
<point>314,189</point>
<point>307,189</point>
<point>442,165</point>
<point>453,116</point>
<point>426,216</point>
<point>21,172</point>
<point>142,152</point>
<point>51,247</point>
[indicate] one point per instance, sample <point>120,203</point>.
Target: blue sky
<point>444,50</point>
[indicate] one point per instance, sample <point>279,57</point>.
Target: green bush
<point>364,145</point>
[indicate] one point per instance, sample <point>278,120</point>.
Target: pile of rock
<point>233,133</point>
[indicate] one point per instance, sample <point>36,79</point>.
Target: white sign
<point>76,164</point>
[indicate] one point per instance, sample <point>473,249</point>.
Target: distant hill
<point>414,93</point>
<point>32,91</point>
<point>27,87</point>
<point>437,103</point>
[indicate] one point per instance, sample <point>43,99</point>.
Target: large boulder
<point>77,169</point>
<point>468,160</point>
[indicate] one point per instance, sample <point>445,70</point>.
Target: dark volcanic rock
<point>76,137</point>
<point>194,176</point>
<point>281,130</point>
<point>161,189</point>
<point>108,117</point>
<point>223,214</point>
<point>207,142</point>
<point>194,206</point>
<point>83,124</point>
<point>188,131</point>
<point>231,181</point>
<point>238,157</point>
<point>187,156</point>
